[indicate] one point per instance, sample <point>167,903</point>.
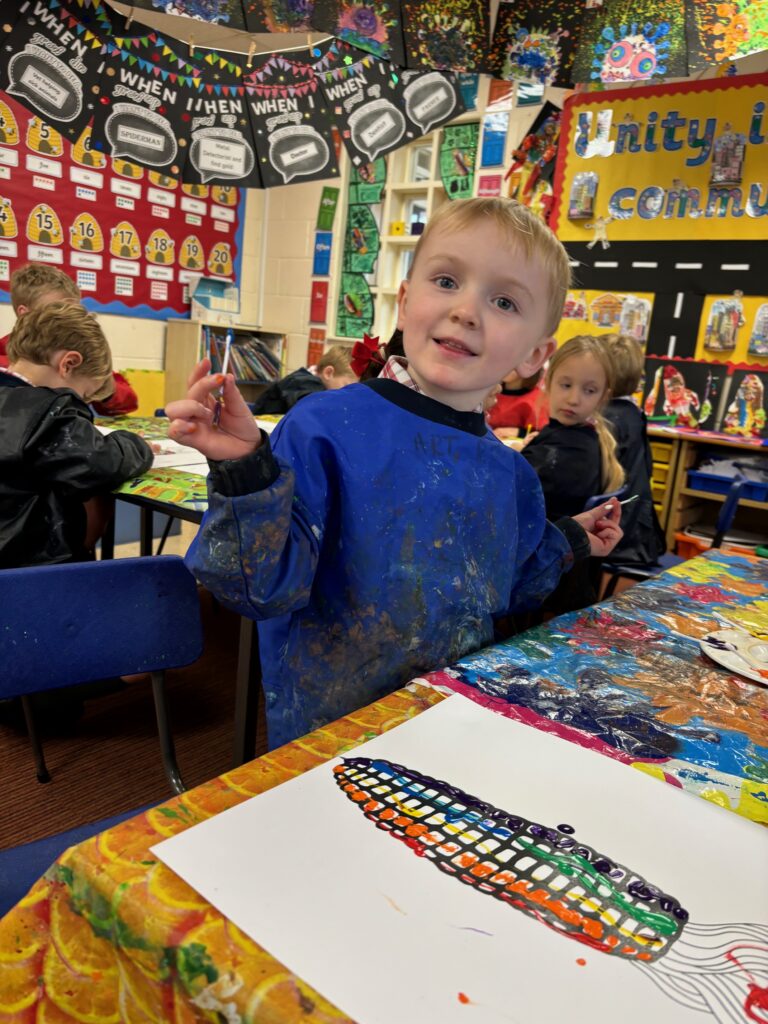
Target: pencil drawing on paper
<point>549,875</point>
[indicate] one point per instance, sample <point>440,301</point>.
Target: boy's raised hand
<point>191,418</point>
<point>602,527</point>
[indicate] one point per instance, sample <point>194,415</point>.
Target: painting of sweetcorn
<point>557,880</point>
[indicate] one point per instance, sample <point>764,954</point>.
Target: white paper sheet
<point>390,939</point>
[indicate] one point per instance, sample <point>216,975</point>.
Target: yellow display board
<point>673,162</point>
<point>728,324</point>
<point>606,312</point>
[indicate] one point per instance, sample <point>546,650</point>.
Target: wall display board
<point>672,161</point>
<point>131,238</point>
<point>671,182</point>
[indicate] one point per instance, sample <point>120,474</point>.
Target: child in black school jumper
<point>52,457</point>
<point>643,541</point>
<point>383,529</point>
<point>575,454</point>
<point>333,371</point>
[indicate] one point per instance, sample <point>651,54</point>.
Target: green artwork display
<point>457,159</point>
<point>367,182</point>
<point>361,245</point>
<point>355,313</point>
<point>327,209</point>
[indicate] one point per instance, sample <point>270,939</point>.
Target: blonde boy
<point>52,458</point>
<point>36,285</point>
<point>385,529</point>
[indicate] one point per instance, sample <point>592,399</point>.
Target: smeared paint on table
<point>628,678</point>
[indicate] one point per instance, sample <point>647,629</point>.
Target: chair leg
<point>166,740</point>
<point>41,768</point>
<point>164,538</point>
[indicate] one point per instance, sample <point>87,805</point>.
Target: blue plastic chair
<point>639,573</point>
<point>83,621</point>
<point>598,499</point>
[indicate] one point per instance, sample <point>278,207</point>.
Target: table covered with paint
<point>111,934</point>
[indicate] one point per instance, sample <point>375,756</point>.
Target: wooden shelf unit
<point>184,346</point>
<point>683,505</point>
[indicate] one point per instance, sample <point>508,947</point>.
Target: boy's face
<point>474,308</point>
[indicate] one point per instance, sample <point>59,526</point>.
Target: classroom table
<point>180,492</point>
<point>111,934</point>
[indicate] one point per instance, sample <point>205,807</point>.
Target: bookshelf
<point>256,358</point>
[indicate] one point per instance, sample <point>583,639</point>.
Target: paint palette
<point>740,652</point>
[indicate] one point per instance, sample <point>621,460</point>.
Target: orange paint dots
<point>463,998</point>
<point>581,962</point>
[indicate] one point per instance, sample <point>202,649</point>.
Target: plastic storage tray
<point>753,490</point>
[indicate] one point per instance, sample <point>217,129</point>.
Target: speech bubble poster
<point>290,122</point>
<point>130,237</point>
<point>379,108</point>
<point>140,120</point>
<point>51,69</point>
<point>221,148</point>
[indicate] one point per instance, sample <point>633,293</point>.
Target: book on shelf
<point>252,359</point>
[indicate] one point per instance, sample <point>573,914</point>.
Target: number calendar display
<point>131,238</point>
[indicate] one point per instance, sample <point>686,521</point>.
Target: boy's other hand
<point>191,418</point>
<point>601,525</point>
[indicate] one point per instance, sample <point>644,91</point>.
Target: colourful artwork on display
<point>631,41</point>
<point>758,340</point>
<point>726,316</point>
<point>685,391</point>
<point>354,313</point>
<point>535,41</point>
<point>594,312</point>
<point>529,178</point>
<point>458,150</point>
<point>673,162</point>
<point>724,30</point>
<point>372,25</point>
<point>735,317</point>
<point>745,415</point>
<point>450,36</point>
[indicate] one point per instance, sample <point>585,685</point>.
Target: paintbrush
<point>220,396</point>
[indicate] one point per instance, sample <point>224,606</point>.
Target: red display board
<point>131,238</point>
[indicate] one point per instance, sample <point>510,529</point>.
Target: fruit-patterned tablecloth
<point>111,934</point>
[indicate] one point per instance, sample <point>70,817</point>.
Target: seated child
<point>521,406</point>
<point>52,457</point>
<point>643,539</point>
<point>380,532</point>
<point>333,371</point>
<point>575,454</point>
<point>36,285</point>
